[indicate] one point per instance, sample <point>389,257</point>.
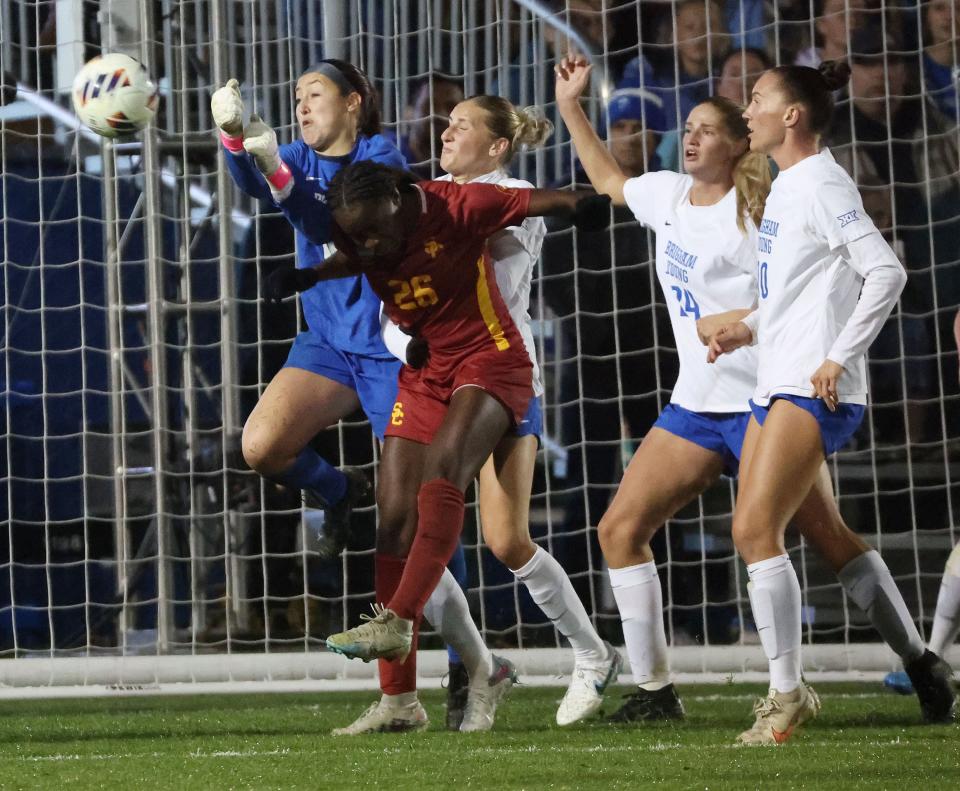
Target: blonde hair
<point>751,173</point>
<point>527,127</point>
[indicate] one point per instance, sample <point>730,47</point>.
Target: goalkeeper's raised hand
<point>286,282</point>
<point>260,141</point>
<point>226,104</point>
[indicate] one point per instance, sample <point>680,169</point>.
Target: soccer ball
<point>114,95</point>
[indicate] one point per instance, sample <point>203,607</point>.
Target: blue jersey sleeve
<point>246,176</point>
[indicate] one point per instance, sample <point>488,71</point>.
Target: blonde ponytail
<point>751,180</point>
<point>526,128</point>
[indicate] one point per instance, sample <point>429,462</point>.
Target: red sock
<point>395,677</point>
<point>438,530</point>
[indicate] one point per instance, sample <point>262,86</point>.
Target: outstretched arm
<point>573,75</point>
<point>286,282</point>
<point>585,209</point>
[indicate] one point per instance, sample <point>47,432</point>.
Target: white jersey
<point>808,291</point>
<point>705,265</point>
<point>514,252</point>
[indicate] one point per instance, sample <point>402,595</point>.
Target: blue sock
<point>458,567</point>
<point>311,471</point>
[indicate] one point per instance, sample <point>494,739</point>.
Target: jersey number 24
<point>688,305</point>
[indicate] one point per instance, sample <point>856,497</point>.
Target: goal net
<point>136,546</point>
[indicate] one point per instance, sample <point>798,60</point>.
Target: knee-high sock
<point>946,621</point>
<point>441,519</point>
<point>640,601</point>
<point>775,600</point>
<point>396,678</point>
<point>458,568</point>
<point>312,472</point>
<point>551,589</point>
<point>448,612</point>
<point>867,581</point>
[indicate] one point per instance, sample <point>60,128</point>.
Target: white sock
<point>640,601</point>
<point>775,600</point>
<point>946,621</point>
<point>447,611</point>
<point>398,701</point>
<point>867,581</point>
<point>551,589</point>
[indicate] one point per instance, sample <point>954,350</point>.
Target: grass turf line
<point>865,738</point>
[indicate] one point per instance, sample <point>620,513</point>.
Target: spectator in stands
<point>747,23</point>
<point>903,140</point>
<point>739,71</point>
<point>941,29</point>
<point>830,30</point>
<point>430,114</point>
<point>632,115</point>
<point>694,39</point>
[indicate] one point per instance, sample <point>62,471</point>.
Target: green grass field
<point>865,738</point>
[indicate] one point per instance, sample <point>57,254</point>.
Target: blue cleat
<point>898,682</point>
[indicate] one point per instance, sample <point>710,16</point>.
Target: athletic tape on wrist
<point>280,177</point>
<point>233,144</point>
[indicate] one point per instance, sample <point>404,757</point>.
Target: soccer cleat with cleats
<point>381,717</point>
<point>898,682</point>
<point>779,715</point>
<point>336,520</point>
<point>932,679</point>
<point>458,685</point>
<point>644,705</point>
<point>485,695</point>
<point>584,696</point>
<point>383,636</point>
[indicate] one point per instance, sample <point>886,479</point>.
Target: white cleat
<point>484,696</point>
<point>383,717</point>
<point>779,714</point>
<point>384,636</point>
<point>585,693</point>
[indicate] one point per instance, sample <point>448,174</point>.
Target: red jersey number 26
<point>413,293</point>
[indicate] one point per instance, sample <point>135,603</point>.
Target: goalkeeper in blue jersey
<point>340,362</point>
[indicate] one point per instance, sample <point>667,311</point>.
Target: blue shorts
<point>374,379</point>
<point>836,428</point>
<point>719,432</point>
<point>532,423</point>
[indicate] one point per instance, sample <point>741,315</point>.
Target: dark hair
<point>813,88</point>
<point>366,181</point>
<point>368,122</point>
<point>742,52</point>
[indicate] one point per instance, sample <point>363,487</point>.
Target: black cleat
<point>336,521</point>
<point>932,678</point>
<point>458,685</point>
<point>645,706</point>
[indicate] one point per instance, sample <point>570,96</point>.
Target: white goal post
<point>136,547</point>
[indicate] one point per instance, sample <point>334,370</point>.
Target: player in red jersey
<point>422,246</point>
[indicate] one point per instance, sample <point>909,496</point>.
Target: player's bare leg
<point>665,474</point>
<point>296,406</point>
<point>779,465</point>
<point>506,481</point>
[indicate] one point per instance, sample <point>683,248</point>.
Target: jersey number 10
<point>688,305</point>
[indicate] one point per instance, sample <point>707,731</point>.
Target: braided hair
<point>367,181</point>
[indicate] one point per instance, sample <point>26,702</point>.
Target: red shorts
<point>423,396</point>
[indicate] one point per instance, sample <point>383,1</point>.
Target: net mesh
<point>135,342</point>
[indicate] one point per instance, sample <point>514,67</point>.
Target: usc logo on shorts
<point>396,418</point>
<point>432,248</point>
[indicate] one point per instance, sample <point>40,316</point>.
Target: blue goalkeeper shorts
<point>373,378</point>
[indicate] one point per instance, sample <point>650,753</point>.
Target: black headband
<point>333,74</point>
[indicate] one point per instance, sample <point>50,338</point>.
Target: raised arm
<point>573,75</point>
<point>586,210</point>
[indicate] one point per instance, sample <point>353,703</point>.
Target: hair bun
<point>835,74</point>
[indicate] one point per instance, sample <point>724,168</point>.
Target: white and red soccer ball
<point>114,95</point>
